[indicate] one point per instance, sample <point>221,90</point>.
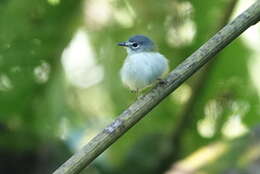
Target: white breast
<point>142,69</point>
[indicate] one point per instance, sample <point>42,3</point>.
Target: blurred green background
<point>59,86</point>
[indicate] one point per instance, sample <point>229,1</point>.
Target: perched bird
<point>143,65</point>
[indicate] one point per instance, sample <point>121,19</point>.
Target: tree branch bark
<point>147,102</point>
<point>187,115</point>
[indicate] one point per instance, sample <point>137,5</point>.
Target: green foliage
<point>37,98</point>
<point>33,35</point>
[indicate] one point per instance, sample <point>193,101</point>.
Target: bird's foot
<point>161,81</point>
<point>134,91</point>
<point>137,93</point>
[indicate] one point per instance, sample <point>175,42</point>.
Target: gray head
<point>137,44</point>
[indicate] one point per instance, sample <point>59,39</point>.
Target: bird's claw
<point>162,81</point>
<point>134,91</point>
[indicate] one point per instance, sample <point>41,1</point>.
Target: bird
<point>143,66</point>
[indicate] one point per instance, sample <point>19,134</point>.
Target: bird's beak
<point>124,44</point>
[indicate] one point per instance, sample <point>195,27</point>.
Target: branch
<point>147,102</point>
<point>187,114</point>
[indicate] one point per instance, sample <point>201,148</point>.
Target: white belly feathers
<point>143,69</point>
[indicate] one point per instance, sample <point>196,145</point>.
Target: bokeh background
<point>59,86</point>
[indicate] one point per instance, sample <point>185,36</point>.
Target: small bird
<point>143,65</point>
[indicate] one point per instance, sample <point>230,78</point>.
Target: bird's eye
<point>135,45</point>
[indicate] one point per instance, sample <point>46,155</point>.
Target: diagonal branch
<point>187,115</point>
<point>147,102</point>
